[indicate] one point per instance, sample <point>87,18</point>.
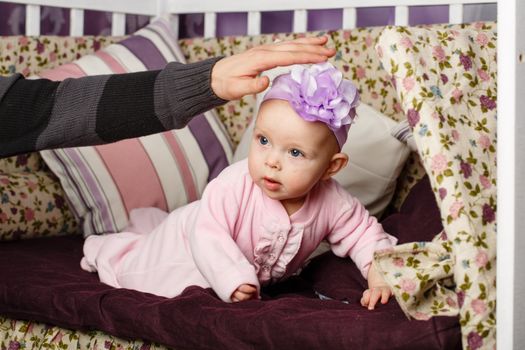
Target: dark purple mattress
<point>41,280</point>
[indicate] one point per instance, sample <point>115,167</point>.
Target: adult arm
<point>42,114</point>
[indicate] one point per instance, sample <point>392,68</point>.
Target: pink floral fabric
<point>446,81</point>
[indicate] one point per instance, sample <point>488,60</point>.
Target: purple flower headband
<point>318,93</point>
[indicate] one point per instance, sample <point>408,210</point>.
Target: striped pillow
<point>166,170</point>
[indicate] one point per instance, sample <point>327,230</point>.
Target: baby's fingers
<point>247,288</point>
<point>240,296</point>
<point>375,295</point>
<point>244,292</point>
<point>365,299</point>
<point>385,295</point>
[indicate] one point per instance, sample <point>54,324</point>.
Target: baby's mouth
<point>271,184</point>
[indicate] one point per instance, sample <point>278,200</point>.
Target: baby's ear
<point>338,162</point>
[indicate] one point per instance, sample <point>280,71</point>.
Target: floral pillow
<point>165,170</point>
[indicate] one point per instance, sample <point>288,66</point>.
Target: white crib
<point>511,56</point>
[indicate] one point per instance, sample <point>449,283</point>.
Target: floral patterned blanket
<point>446,81</point>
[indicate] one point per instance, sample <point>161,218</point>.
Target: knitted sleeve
<point>42,114</point>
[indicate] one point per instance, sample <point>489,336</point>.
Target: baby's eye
<point>296,153</point>
<point>263,140</point>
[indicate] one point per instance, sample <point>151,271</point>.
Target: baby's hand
<point>377,290</point>
<point>372,295</point>
<point>244,292</point>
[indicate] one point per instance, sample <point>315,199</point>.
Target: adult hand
<point>237,75</point>
<point>244,292</point>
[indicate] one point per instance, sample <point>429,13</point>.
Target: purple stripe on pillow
<point>171,41</point>
<point>94,189</point>
<point>210,146</point>
<point>160,35</point>
<point>146,51</point>
<point>66,169</point>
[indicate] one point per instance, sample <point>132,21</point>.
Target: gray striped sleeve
<point>73,117</point>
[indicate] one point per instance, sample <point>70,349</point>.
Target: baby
<point>261,218</point>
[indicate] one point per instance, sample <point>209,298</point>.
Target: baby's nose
<point>273,162</point>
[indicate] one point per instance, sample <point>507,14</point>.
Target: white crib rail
<point>300,8</point>
<point>119,9</point>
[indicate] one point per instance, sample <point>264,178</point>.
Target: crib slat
<point>76,22</point>
<point>32,20</point>
<point>300,20</point>
<point>174,21</point>
<point>210,24</point>
<point>349,18</point>
<point>118,24</point>
<point>455,13</point>
<point>254,23</point>
<point>401,16</point>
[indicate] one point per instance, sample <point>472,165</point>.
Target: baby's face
<point>288,155</point>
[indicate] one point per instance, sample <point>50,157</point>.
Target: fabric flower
<point>484,141</point>
<point>466,169</point>
<point>21,160</point>
<point>451,302</point>
<point>408,83</point>
<point>483,75</point>
<point>412,117</point>
<point>474,340</point>
<point>456,94</point>
<point>485,182</point>
<point>455,208</point>
<point>439,53</point>
<point>482,258</point>
<point>318,93</point>
<point>360,72</point>
<point>399,262</point>
<point>439,163</point>
<point>59,201</point>
<point>406,42</point>
<point>461,297</point>
<point>13,345</point>
<point>478,306</point>
<point>488,214</point>
<point>465,61</point>
<point>40,48</point>
<point>29,214</point>
<point>482,39</point>
<point>487,102</point>
<point>408,285</point>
